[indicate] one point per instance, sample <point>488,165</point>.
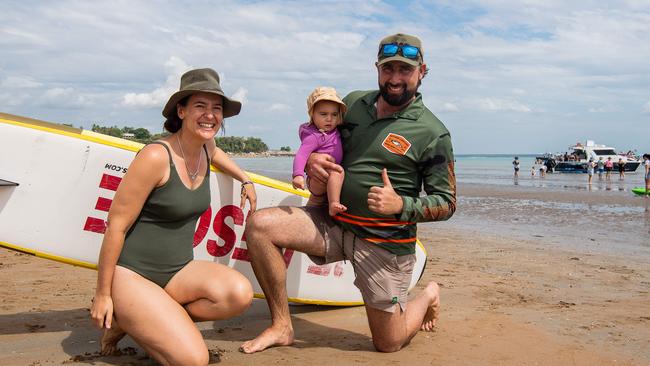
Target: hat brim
<point>344,108</point>
<point>401,59</point>
<point>230,107</point>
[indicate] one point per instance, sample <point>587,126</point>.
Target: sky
<point>505,76</point>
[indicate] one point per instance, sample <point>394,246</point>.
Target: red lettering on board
<point>322,270</point>
<point>224,231</point>
<point>103,204</point>
<point>325,269</point>
<point>95,225</point>
<point>287,255</point>
<point>202,227</point>
<point>241,254</point>
<point>110,182</point>
<point>338,270</point>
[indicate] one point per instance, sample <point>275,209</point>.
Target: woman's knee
<point>241,294</point>
<point>192,355</point>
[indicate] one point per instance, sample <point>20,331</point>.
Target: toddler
<point>320,135</point>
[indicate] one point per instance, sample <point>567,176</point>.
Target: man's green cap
<point>400,39</point>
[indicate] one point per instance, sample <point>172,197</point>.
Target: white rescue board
<point>57,183</point>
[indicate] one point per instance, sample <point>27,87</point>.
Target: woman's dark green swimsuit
<point>159,243</point>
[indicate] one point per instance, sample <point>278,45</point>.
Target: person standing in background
<point>609,166</point>
<point>515,166</point>
<point>646,167</point>
<point>590,169</point>
<point>621,169</point>
<point>601,168</point>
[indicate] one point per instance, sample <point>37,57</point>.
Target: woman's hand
<point>248,193</point>
<point>101,311</point>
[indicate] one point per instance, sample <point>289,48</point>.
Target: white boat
<point>576,158</point>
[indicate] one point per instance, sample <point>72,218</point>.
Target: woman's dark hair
<point>173,123</point>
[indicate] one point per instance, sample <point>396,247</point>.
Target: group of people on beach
<point>602,166</point>
<point>367,157</point>
<point>605,167</point>
<point>542,169</point>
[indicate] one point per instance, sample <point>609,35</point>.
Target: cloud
<point>14,35</point>
<point>602,109</point>
<point>19,82</point>
<point>175,67</point>
<point>240,95</point>
<point>279,107</point>
<point>65,98</point>
<point>13,99</point>
<point>449,107</point>
<point>646,107</point>
<point>544,62</point>
<point>496,104</point>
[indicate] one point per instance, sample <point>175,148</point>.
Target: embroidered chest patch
<point>396,144</point>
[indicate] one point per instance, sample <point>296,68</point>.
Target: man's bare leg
<point>267,231</point>
<point>392,331</point>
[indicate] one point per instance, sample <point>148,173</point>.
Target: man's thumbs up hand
<point>384,200</point>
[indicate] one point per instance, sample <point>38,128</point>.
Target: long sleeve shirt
<point>415,148</point>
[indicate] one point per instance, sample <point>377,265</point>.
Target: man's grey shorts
<point>382,277</point>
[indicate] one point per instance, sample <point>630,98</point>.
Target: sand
<point>528,277</point>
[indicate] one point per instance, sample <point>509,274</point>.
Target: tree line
<point>231,144</point>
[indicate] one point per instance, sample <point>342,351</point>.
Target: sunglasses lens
<point>389,50</point>
<point>410,51</point>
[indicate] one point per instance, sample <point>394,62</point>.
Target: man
<point>393,146</point>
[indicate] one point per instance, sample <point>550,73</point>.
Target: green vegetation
<point>285,148</point>
<point>234,144</point>
<point>231,144</point>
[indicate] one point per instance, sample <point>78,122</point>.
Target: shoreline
<point>266,154</point>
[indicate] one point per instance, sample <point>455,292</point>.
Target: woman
<point>148,281</point>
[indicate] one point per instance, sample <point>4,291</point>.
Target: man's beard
<point>397,100</point>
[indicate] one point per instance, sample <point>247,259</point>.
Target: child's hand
<point>298,182</point>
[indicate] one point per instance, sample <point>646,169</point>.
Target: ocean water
<point>481,169</point>
<point>554,210</point>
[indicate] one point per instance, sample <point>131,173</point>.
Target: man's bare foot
<point>110,338</point>
<point>433,312</point>
<point>336,208</point>
<point>270,337</point>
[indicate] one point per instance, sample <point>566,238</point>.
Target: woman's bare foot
<point>336,208</point>
<point>270,337</point>
<point>110,338</point>
<point>433,312</point>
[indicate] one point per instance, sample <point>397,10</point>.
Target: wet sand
<point>528,276</point>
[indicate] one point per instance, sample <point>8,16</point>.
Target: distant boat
<point>576,158</point>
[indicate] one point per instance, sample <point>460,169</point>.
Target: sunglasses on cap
<point>391,49</point>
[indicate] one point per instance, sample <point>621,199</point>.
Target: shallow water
<point>560,209</point>
<point>480,169</point>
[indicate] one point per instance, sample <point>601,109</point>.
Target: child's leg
<point>318,192</point>
<point>334,185</point>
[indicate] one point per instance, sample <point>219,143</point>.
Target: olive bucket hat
<point>201,80</point>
